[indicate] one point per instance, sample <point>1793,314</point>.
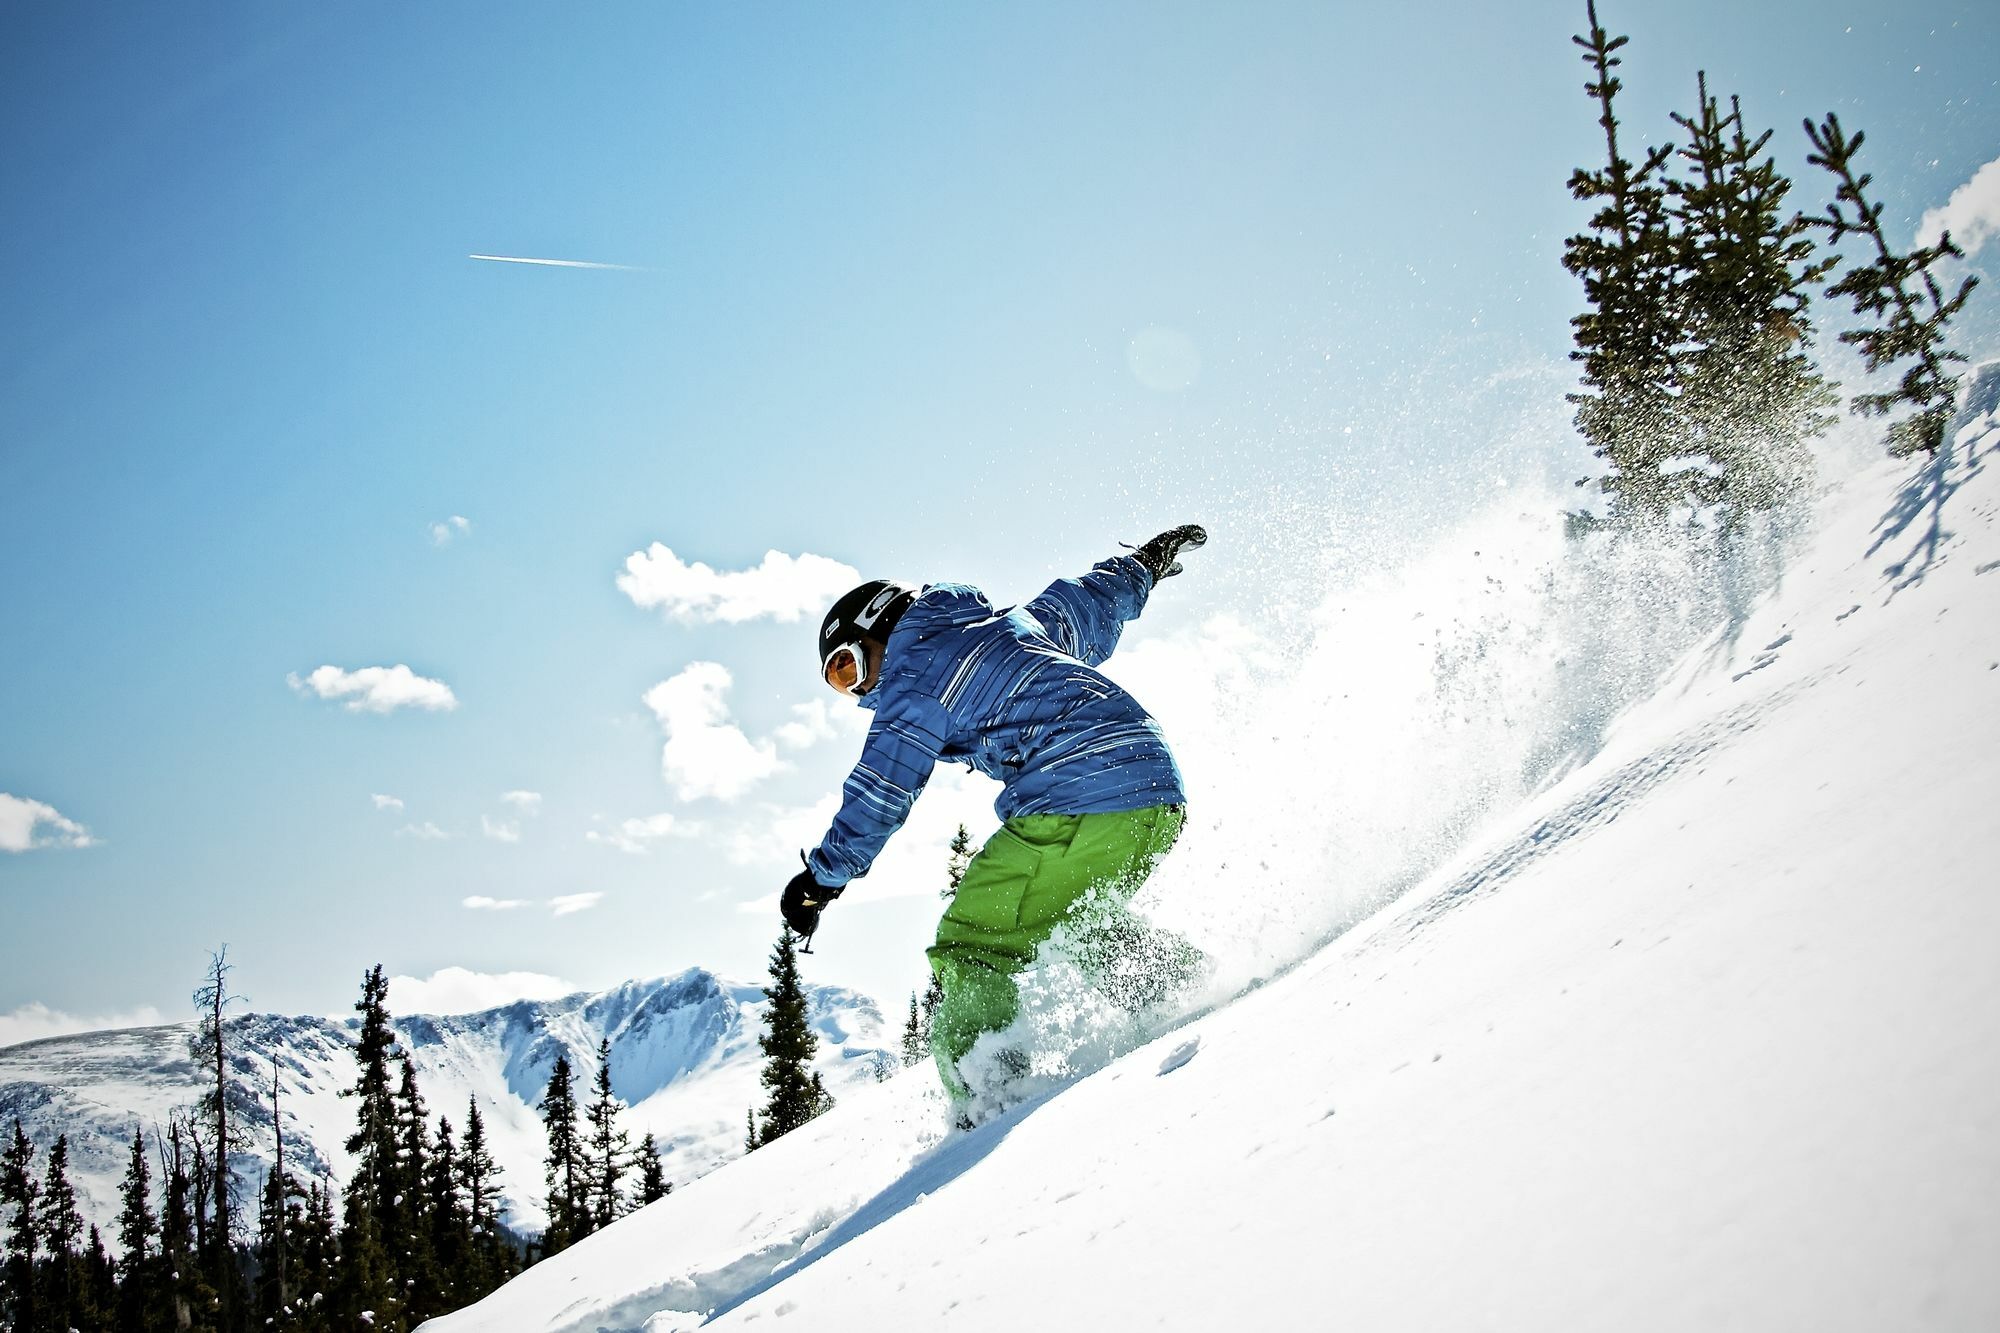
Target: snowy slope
<point>1703,1034</point>
<point>684,1059</point>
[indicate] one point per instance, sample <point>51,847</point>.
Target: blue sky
<point>960,291</point>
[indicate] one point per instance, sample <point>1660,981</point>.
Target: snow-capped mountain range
<point>684,1059</point>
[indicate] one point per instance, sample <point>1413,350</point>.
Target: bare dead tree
<point>211,1048</point>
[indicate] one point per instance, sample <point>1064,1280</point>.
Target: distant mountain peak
<point>684,1060</point>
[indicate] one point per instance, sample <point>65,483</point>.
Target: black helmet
<point>870,611</point>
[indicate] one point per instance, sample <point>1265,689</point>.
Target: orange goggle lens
<point>843,670</point>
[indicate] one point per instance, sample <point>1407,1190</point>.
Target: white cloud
<point>705,753</point>
<point>779,833</point>
<point>26,825</point>
<point>479,902</point>
<point>445,529</point>
<point>386,802</point>
<point>783,587</point>
<point>1972,214</point>
<point>636,836</point>
<point>527,802</point>
<point>34,1021</point>
<point>376,689</point>
<point>426,831</point>
<point>457,990</point>
<point>500,830</point>
<point>570,903</point>
<point>812,722</point>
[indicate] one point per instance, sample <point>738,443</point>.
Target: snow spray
<point>1337,753</point>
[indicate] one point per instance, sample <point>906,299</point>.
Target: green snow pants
<point>1028,878</point>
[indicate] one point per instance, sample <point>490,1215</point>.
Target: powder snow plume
<point>1338,752</point>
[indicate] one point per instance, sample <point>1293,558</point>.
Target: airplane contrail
<point>552,263</point>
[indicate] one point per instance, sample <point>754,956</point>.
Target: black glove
<point>1161,556</point>
<point>803,900</point>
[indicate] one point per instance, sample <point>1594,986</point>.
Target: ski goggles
<point>844,668</point>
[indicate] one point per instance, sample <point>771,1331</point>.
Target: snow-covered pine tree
<point>609,1149</point>
<point>1908,325</point>
<point>319,1253</point>
<point>19,1194</point>
<point>794,1093</point>
<point>407,1223</point>
<point>448,1233</point>
<point>1750,397</point>
<point>565,1172</point>
<point>1625,339</point>
<point>652,1174</point>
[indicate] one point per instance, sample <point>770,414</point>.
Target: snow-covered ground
<point>1702,1032</point>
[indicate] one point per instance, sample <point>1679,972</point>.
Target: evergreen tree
<point>751,1142</point>
<point>374,1141</point>
<point>933,997</point>
<point>315,1275</point>
<point>139,1298</point>
<point>407,1222</point>
<point>488,1263</point>
<point>794,1093</point>
<point>365,1285</point>
<point>652,1175</point>
<point>100,1286</point>
<point>915,1048</point>
<point>137,1226</point>
<point>273,1234</point>
<point>917,1029</point>
<point>609,1148</point>
<point>1750,397</point>
<point>19,1196</point>
<point>62,1236</point>
<point>1908,325</point>
<point>566,1174</point>
<point>450,1232</point>
<point>957,859</point>
<point>364,1277</point>
<point>1628,261</point>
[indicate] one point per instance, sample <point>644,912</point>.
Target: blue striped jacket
<point>1013,695</point>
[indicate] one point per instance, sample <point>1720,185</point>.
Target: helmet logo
<point>876,606</point>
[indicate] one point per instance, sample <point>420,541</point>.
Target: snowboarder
<point>1091,797</point>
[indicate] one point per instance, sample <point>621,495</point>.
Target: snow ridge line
<point>1597,806</point>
